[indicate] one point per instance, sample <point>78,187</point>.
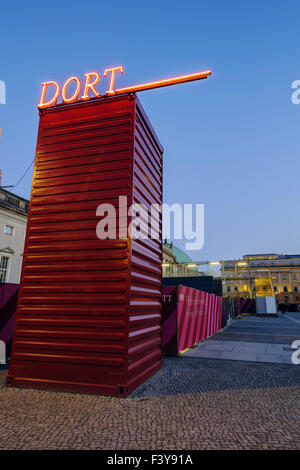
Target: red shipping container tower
<point>89,310</point>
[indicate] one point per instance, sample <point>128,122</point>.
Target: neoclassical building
<point>13,221</point>
<point>271,273</point>
<point>177,263</point>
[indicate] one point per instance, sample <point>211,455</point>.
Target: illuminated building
<point>269,273</point>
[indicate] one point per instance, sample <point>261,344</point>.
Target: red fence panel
<point>189,316</point>
<point>245,305</point>
<point>169,320</point>
<point>8,305</point>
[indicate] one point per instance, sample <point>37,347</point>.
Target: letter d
<point>53,100</point>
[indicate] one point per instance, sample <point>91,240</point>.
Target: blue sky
<point>231,142</point>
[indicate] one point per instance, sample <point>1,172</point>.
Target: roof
<point>181,256</point>
<point>13,203</point>
<point>273,254</point>
<point>9,193</point>
<point>262,254</point>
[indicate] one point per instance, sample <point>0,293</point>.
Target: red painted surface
<point>89,310</point>
<point>189,316</point>
<point>245,306</point>
<point>8,304</point>
<point>169,320</point>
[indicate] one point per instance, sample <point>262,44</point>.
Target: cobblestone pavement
<point>189,404</point>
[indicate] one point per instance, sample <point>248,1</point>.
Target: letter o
<point>75,94</point>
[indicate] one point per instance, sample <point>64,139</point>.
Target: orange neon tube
<point>76,92</point>
<point>113,71</point>
<point>53,100</point>
<point>91,85</point>
<point>165,82</point>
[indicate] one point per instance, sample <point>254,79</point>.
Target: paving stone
<point>241,351</point>
<point>278,330</point>
<point>189,404</point>
<point>233,418</point>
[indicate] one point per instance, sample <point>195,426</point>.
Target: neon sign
<point>93,78</point>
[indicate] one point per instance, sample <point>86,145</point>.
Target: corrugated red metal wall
<point>146,258</point>
<point>88,316</point>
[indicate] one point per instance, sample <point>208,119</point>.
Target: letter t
<point>113,71</point>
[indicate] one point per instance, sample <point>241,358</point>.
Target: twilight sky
<point>231,142</point>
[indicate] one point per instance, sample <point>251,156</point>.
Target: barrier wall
<point>189,316</point>
<point>8,305</point>
<point>266,305</point>
<point>203,283</point>
<point>230,308</point>
<point>225,315</point>
<point>246,306</point>
<point>169,320</point>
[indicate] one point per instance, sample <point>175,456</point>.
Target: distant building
<point>177,263</point>
<point>13,220</point>
<point>270,271</point>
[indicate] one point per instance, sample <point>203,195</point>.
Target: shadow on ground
<point>191,375</point>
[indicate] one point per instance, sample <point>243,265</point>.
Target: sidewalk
<point>255,339</point>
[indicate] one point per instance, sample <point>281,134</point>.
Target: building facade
<point>13,221</point>
<point>269,273</point>
<point>176,263</point>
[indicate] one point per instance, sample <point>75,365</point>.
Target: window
<point>294,276</point>
<point>275,288</point>
<point>13,201</point>
<point>236,288</point>
<point>3,268</point>
<point>295,289</point>
<point>285,289</point>
<point>228,288</point>
<point>8,229</point>
<point>283,277</point>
